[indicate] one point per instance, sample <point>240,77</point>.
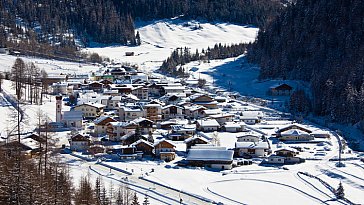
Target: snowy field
<point>52,67</point>
<point>160,38</point>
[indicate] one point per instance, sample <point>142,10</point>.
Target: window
<point>279,160</point>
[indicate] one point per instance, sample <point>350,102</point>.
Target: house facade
<point>79,142</point>
<point>165,150</point>
<point>254,149</point>
<point>100,125</point>
<point>90,110</point>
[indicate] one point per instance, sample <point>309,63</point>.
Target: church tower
<point>58,108</point>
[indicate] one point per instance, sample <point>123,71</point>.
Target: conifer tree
<point>135,200</point>
<point>146,200</point>
<point>339,192</point>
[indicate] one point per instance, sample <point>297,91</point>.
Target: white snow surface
<point>160,38</point>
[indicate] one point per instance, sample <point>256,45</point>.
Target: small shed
<point>281,89</point>
<point>129,53</point>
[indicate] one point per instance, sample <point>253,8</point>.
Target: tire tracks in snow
<point>270,182</point>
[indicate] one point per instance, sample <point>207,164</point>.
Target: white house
<point>72,119</point>
<point>249,137</point>
<point>254,149</point>
<point>234,126</point>
<point>90,110</point>
<point>285,156</point>
<point>181,132</point>
<point>223,118</point>
<point>130,112</point>
<point>251,117</point>
<point>207,125</point>
<point>173,89</point>
<point>294,132</point>
<point>295,135</point>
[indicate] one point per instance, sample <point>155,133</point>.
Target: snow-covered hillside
<point>159,38</point>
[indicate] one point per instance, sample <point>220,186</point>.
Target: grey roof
<point>72,115</point>
<point>210,155</point>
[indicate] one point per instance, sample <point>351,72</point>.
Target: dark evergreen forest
<point>51,26</point>
<point>322,42</point>
<point>173,65</point>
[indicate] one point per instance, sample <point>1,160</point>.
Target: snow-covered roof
<point>294,126</point>
<point>194,107</point>
<point>169,106</point>
<point>96,105</point>
<point>212,111</point>
<point>252,145</point>
<point>286,149</point>
<point>31,143</point>
<point>210,155</point>
<point>142,141</point>
<point>100,119</point>
<point>174,87</point>
<point>252,113</point>
<point>194,138</point>
<point>208,123</point>
<point>141,119</point>
<point>234,124</point>
<point>121,124</point>
<point>126,136</point>
<point>186,127</point>
<point>131,108</point>
<point>72,115</point>
<point>207,146</point>
<point>168,141</point>
<point>294,132</point>
<point>222,115</point>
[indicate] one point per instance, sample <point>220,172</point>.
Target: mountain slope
<point>319,41</point>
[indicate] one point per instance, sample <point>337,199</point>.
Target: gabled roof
<point>283,86</point>
<point>169,106</point>
<point>79,138</point>
<point>96,105</point>
<point>167,141</point>
<point>294,132</point>
<point>288,149</point>
<point>127,135</point>
<point>142,141</point>
<point>141,119</point>
<point>121,124</point>
<point>195,138</point>
<point>294,126</point>
<point>102,119</point>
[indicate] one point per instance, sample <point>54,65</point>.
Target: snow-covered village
<point>124,131</point>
